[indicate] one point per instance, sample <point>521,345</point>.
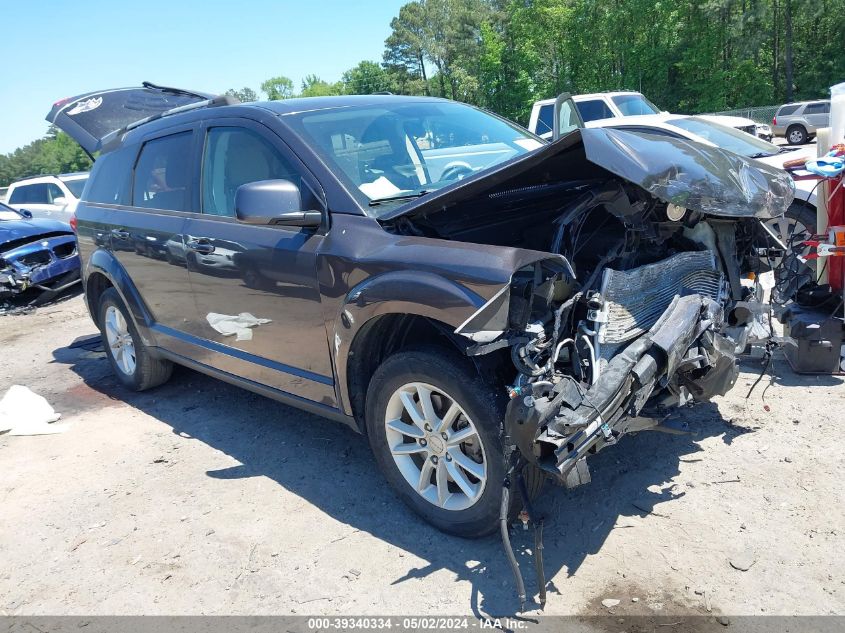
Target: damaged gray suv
<point>489,309</point>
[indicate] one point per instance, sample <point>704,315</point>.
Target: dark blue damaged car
<point>35,253</point>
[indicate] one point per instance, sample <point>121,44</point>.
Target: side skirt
<point>268,392</point>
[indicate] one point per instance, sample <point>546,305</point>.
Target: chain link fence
<point>763,114</point>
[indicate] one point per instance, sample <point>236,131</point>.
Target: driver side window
<point>235,156</point>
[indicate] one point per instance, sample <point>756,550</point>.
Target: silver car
<point>798,122</point>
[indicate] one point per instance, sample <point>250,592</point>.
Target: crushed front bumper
<point>682,357</point>
<point>40,264</point>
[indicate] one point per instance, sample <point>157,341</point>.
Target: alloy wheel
<point>435,446</point>
<point>791,233</point>
<point>796,137</point>
<point>120,341</point>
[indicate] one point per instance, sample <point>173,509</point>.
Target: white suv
<point>48,196</point>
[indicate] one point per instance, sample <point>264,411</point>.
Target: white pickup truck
<point>607,105</point>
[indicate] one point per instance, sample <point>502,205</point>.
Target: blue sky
<point>57,49</point>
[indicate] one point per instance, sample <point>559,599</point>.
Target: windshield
<point>634,105</point>
<point>390,153</point>
<point>726,137</point>
<point>76,186</point>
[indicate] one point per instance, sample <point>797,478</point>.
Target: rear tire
<point>796,135</point>
<point>414,454</point>
<point>130,359</point>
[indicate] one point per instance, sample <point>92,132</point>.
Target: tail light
<point>73,222</point>
<point>774,120</point>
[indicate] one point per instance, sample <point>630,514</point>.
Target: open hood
<point>678,171</point>
<point>90,119</point>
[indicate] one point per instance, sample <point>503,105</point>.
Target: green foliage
<point>244,95</point>
<point>365,78</point>
<point>685,55</point>
<point>56,153</point>
<point>278,88</point>
<point>313,86</point>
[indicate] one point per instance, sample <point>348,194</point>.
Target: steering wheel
<point>455,171</point>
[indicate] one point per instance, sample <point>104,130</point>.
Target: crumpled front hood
<point>689,174</point>
<point>692,175</point>
<point>14,230</point>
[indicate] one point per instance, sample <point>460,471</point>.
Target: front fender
<point>104,263</point>
<point>408,292</point>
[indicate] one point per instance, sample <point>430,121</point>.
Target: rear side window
<point>788,109</point>
<point>546,119</point>
<point>37,193</point>
<point>593,110</point>
<point>54,191</point>
<point>163,174</point>
<point>30,194</point>
<point>76,186</point>
<point>817,108</point>
<point>111,177</point>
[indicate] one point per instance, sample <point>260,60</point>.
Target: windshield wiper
<point>405,196</point>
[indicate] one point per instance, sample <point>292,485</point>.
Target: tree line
<point>685,55</point>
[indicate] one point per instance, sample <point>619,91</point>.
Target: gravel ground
<point>200,498</point>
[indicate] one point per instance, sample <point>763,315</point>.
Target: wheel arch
<point>103,272</point>
<point>392,312</point>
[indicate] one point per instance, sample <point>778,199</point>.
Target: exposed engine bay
<point>648,291</point>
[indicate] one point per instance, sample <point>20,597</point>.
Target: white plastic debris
<point>23,412</point>
<point>767,280</point>
<point>239,325</point>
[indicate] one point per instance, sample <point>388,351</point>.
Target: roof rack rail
<point>219,100</point>
<point>48,175</point>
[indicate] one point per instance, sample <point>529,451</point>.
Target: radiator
<point>635,299</point>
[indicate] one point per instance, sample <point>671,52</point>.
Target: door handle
<point>120,234</point>
<point>200,245</point>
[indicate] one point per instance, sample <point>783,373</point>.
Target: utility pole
<point>787,65</point>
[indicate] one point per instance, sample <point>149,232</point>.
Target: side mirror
<point>276,202</point>
<point>26,213</point>
<point>61,201</point>
<point>566,117</point>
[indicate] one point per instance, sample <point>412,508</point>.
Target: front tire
<point>130,359</point>
<point>434,428</point>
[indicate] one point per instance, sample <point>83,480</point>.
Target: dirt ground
<point>200,498</point>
